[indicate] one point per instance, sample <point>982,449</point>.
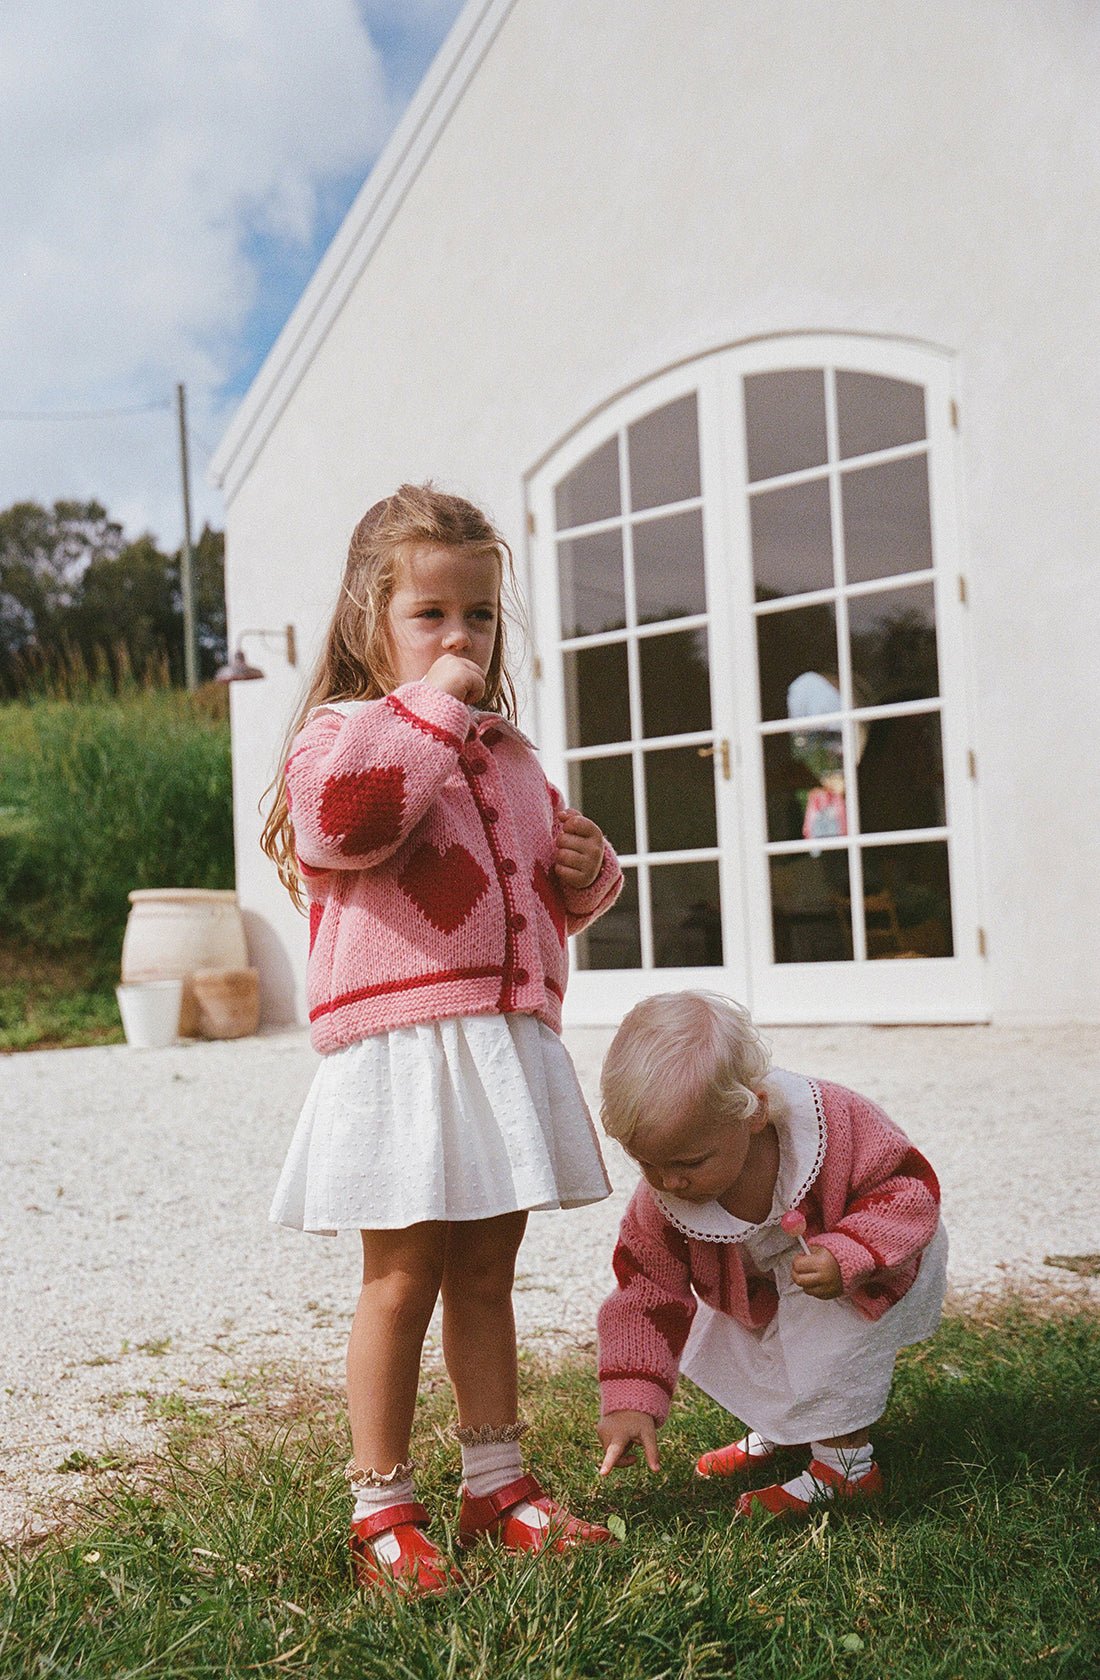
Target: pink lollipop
<point>794,1223</point>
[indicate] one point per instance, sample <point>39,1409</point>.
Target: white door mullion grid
<point>861,714</point>
<point>604,638</point>
<point>634,669</point>
<point>889,836</point>
<point>728,677</point>
<point>933,989</point>
<point>736,597</point>
<point>848,732</point>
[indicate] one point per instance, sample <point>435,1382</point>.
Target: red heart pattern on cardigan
<point>363,809</point>
<point>444,884</point>
<point>672,1321</point>
<point>551,898</point>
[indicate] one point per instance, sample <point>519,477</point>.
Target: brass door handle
<point>722,750</point>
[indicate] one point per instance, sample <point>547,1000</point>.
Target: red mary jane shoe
<point>495,1517</point>
<point>420,1570</point>
<point>777,1502</point>
<point>729,1461</point>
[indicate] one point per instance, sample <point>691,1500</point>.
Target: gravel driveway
<point>138,1274</point>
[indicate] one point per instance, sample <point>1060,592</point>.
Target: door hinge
<point>981,942</point>
<point>722,751</point>
<point>530,522</point>
<point>971,765</point>
<point>954,414</point>
<point>962,589</point>
<point>538,668</point>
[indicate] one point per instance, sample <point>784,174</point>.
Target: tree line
<point>80,599</point>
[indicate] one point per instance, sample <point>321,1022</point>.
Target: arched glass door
<point>750,617</point>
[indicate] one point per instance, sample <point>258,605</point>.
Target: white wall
<point>629,184</point>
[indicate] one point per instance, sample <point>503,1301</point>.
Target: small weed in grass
<point>229,1557</point>
<point>82,1461</point>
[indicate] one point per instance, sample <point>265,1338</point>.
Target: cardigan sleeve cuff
<point>856,1262</point>
<point>433,711</point>
<point>582,907</point>
<point>635,1394</point>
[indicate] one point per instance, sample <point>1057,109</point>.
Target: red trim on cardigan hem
<point>411,983</point>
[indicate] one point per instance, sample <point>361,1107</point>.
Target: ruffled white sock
<point>851,1462</point>
<point>491,1465</point>
<point>377,1495</point>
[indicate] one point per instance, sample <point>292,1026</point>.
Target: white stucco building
<point>770,336</point>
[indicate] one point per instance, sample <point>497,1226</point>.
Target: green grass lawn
<point>99,795</point>
<point>227,1557</point>
<point>51,1000</point>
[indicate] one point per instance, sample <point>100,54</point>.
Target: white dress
<point>464,1118</point>
<point>819,1368</point>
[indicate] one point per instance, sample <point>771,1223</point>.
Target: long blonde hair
<point>355,661</point>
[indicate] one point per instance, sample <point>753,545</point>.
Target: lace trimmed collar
<point>802,1137</point>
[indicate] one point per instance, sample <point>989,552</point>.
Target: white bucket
<point>150,1011</point>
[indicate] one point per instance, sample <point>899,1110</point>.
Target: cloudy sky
<point>171,174</point>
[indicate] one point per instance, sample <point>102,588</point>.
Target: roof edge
<point>392,174</point>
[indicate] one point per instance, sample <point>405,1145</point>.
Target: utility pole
<point>187,584</point>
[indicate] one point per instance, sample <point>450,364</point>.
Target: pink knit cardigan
<point>425,834</point>
<point>874,1205</point>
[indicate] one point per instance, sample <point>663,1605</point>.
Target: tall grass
<point>101,795</point>
<point>229,1556</point>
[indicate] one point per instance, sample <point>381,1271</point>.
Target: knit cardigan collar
<point>802,1137</point>
<point>480,722</point>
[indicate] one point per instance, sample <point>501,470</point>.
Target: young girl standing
<point>442,874</point>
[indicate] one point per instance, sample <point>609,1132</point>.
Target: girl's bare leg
<point>402,1271</point>
<point>479,1329</point>
<point>858,1438</point>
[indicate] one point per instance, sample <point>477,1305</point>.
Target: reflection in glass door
<point>635,651</point>
<point>847,663</point>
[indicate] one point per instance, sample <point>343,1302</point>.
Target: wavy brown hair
<point>355,663</point>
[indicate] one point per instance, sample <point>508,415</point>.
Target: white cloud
<point>157,156</point>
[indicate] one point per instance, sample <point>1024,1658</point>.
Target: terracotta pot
<point>228,1001</point>
<point>172,931</point>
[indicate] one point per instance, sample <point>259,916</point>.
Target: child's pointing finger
<point>620,1433</point>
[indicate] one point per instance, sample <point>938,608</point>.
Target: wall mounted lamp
<point>238,668</point>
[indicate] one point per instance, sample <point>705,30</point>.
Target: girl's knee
<point>402,1273</point>
<point>403,1298</point>
<point>485,1274</point>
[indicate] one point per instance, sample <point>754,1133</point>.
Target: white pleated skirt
<point>465,1118</point>
<point>819,1368</point>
